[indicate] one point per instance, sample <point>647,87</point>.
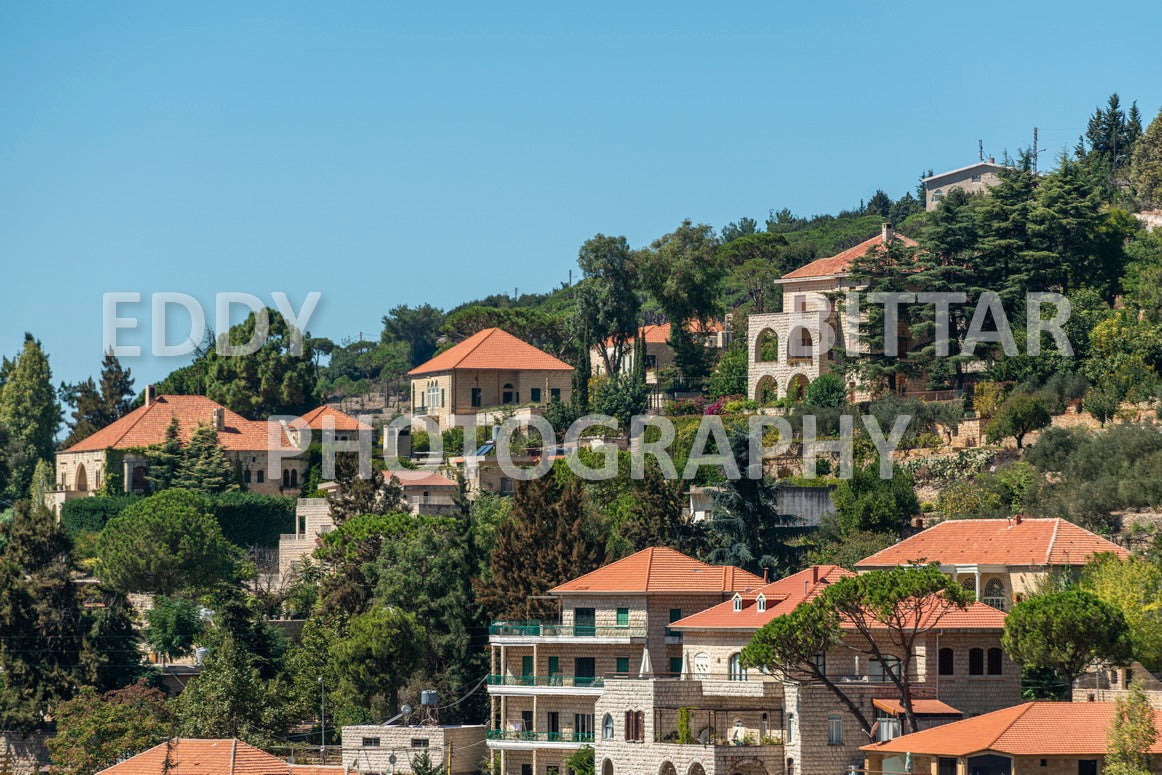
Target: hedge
<point>247,519</point>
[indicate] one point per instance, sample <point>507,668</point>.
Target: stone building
<point>1053,738</point>
<point>788,349</point>
<point>975,179</point>
<point>659,354</point>
<point>206,756</point>
<point>490,369</point>
<point>746,721</point>
<point>262,452</point>
<point>1001,560</point>
<point>376,748</point>
<point>545,676</point>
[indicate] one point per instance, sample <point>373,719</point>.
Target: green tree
<point>753,263</point>
<point>1019,415</point>
<point>608,305</point>
<point>39,606</point>
<point>1134,587</point>
<point>175,623</point>
<point>580,762</point>
<point>349,555</point>
<point>730,375</point>
<point>1146,165</point>
<point>380,652</point>
<point>548,539</point>
<point>94,731</point>
<point>229,698</point>
<point>204,466</point>
<point>355,495</point>
<point>1066,632</point>
<point>746,528</point>
<point>826,390</point>
<point>621,396</point>
<point>165,544</point>
<point>1131,735</point>
<point>418,327</point>
<point>866,502</point>
<point>655,514</point>
<point>272,380</point>
<point>95,406</point>
<point>165,459</point>
<point>30,414</point>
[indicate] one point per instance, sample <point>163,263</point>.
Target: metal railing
<point>553,629</point>
<point>539,737</point>
<point>545,680</point>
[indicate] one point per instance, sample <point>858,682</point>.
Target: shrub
<point>826,390</point>
<point>89,515</point>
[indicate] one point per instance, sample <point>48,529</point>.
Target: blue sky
<point>385,154</point>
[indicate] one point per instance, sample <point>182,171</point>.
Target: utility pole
<point>980,150</point>
<point>322,723</point>
<point>1035,150</point>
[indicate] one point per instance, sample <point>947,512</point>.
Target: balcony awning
<point>919,707</point>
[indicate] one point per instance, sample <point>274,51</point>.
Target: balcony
<point>535,631</point>
<point>522,685</point>
<point>518,739</point>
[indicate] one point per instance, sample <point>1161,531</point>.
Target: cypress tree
<point>205,467</point>
<point>30,413</point>
<point>165,459</point>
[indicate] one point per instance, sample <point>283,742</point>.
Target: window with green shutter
<point>676,665</point>
<point>623,617</point>
<point>623,665</point>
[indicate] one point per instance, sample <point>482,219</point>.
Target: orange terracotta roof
<point>660,334</point>
<point>146,425</point>
<point>1030,542</point>
<point>412,478</point>
<point>919,707</point>
<point>1030,729</point>
<point>841,262</point>
<point>782,596</point>
<point>343,422</point>
<point>492,348</point>
<point>660,569</point>
<point>787,594</point>
<point>191,756</point>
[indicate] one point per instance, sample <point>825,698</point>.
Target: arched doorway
<point>766,347</point>
<point>607,767</point>
<point>507,394</point>
<point>667,768</point>
<point>766,390</point>
<point>797,387</point>
<point>696,769</point>
<point>800,345</point>
<point>82,478</point>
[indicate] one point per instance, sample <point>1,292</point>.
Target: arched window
<point>790,731</point>
<point>976,661</point>
<point>994,594</point>
<point>607,729</point>
<point>737,602</point>
<point>735,670</point>
<point>259,476</point>
<point>294,478</point>
<point>800,345</point>
<point>607,767</point>
<point>702,665</point>
<point>937,195</point>
<point>286,477</point>
<point>760,602</point>
<point>994,661</point>
<point>946,661</point>
<point>508,394</point>
<point>766,347</point>
<point>82,479</point>
<point>766,390</point>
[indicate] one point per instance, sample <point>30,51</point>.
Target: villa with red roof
<point>118,449</point>
<point>1001,560</point>
<point>789,349</point>
<point>197,756</point>
<point>1056,738</point>
<point>490,369</point>
<point>614,623</point>
<point>659,353</point>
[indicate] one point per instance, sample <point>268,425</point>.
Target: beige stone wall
<point>22,755</point>
<point>964,182</point>
<point>454,390</point>
<point>460,746</point>
<point>82,472</point>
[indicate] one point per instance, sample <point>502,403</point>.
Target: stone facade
<point>441,395</point>
<point>975,179</point>
<point>376,748</point>
<point>312,519</point>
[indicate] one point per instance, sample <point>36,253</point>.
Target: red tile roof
<point>841,262</point>
<point>785,595</point>
<point>410,478</point>
<point>343,422</point>
<point>919,707</point>
<point>1030,542</point>
<point>1030,729</point>
<point>190,756</point>
<point>782,596</point>
<point>660,569</point>
<point>492,348</point>
<point>146,425</point>
<point>660,334</point>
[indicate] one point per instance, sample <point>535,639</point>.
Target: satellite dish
<point>405,709</point>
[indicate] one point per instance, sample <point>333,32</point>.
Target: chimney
<point>219,419</point>
<point>814,574</point>
<point>992,160</point>
<point>1018,518</point>
<point>150,395</point>
<point>887,233</point>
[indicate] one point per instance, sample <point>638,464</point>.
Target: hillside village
<point>194,582</point>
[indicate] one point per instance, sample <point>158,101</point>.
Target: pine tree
<point>88,410</point>
<point>165,459</point>
<point>205,467</point>
<point>1132,734</point>
<point>354,495</point>
<point>116,387</point>
<point>40,617</point>
<point>655,516</point>
<point>30,413</point>
<point>1146,168</point>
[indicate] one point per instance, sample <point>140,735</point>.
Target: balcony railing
<point>540,737</point>
<point>553,629</point>
<point>545,680</point>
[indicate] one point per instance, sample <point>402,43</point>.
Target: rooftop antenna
<point>1036,150</point>
<point>980,150</point>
